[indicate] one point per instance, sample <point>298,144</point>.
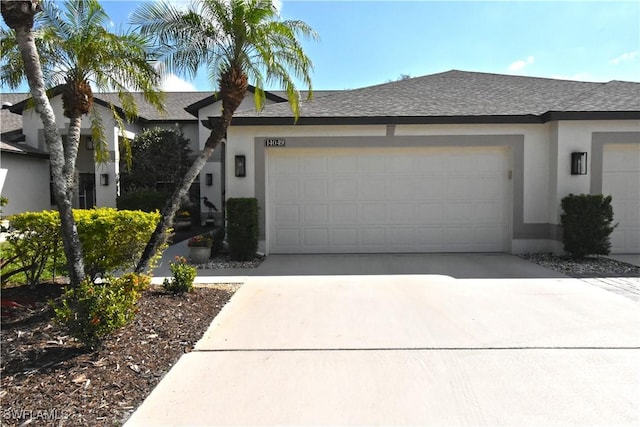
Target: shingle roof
<point>10,122</point>
<point>19,148</point>
<point>174,105</point>
<point>460,94</point>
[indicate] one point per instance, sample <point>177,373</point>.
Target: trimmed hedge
<point>144,200</point>
<point>587,224</point>
<point>242,228</point>
<point>111,240</point>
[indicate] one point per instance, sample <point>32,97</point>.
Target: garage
<point>373,200</point>
<point>621,180</point>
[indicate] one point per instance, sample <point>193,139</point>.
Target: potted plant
<point>200,248</point>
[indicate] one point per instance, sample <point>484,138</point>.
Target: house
<point>450,162</point>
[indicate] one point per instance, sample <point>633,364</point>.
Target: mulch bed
<point>48,379</point>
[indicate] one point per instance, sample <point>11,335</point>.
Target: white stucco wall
<point>26,184</point>
<point>576,136</point>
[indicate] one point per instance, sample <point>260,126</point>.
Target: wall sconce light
<point>579,163</point>
<point>104,179</point>
<point>209,179</point>
<point>241,166</point>
<point>89,143</point>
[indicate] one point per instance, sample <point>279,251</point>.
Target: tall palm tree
<point>19,16</point>
<point>78,52</point>
<point>238,41</point>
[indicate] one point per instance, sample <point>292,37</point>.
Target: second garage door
<point>372,200</point>
<point>621,180</point>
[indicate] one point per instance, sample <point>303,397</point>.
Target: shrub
<point>242,228</point>
<point>91,312</point>
<point>111,239</point>
<point>143,200</point>
<point>34,245</point>
<point>587,224</point>
<point>183,275</point>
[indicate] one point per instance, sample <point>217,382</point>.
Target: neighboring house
<point>450,162</point>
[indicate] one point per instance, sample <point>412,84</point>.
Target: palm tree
<point>237,41</point>
<point>77,53</point>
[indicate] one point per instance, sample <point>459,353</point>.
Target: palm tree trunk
<point>72,246</point>
<point>71,153</point>
<point>159,236</point>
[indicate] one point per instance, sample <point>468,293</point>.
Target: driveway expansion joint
<point>257,350</point>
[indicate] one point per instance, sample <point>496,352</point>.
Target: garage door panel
<point>459,212</point>
<point>344,239</point>
<point>371,188</point>
<point>343,165</point>
<point>314,189</point>
<point>401,213</point>
<point>287,191</point>
<point>400,188</point>
<point>431,238</point>
<point>429,188</point>
<point>430,213</point>
<point>621,180</point>
<point>316,238</point>
<point>460,188</point>
<point>372,237</point>
<point>387,200</point>
<point>287,214</point>
<point>370,163</point>
<point>372,213</point>
<point>344,188</point>
<point>316,214</point>
<point>344,214</point>
<point>401,238</point>
<point>488,213</point>
<point>287,238</point>
<point>285,166</point>
<point>486,188</point>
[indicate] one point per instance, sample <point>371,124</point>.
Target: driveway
<point>459,265</point>
<point>409,350</point>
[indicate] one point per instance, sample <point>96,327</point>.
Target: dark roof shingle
<point>463,94</point>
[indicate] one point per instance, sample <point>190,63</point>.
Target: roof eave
<point>383,120</point>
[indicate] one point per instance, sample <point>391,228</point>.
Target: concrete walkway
<point>409,350</point>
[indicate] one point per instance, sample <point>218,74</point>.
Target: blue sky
<point>369,42</point>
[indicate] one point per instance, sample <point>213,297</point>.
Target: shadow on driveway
<point>460,266</point>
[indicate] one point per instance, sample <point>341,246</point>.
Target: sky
<point>364,43</point>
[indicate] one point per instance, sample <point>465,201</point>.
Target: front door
<point>87,190</point>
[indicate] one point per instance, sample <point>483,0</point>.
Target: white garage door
<point>621,179</point>
<point>370,200</point>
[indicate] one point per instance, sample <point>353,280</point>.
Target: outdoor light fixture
<point>241,166</point>
<point>209,179</point>
<point>104,179</point>
<point>579,163</point>
<point>89,143</point>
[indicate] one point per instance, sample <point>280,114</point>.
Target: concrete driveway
<point>409,350</point>
<point>459,265</point>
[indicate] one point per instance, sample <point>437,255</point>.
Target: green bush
<point>111,240</point>
<point>91,312</point>
<point>34,246</point>
<point>143,200</point>
<point>242,228</point>
<point>587,224</point>
<point>183,276</point>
